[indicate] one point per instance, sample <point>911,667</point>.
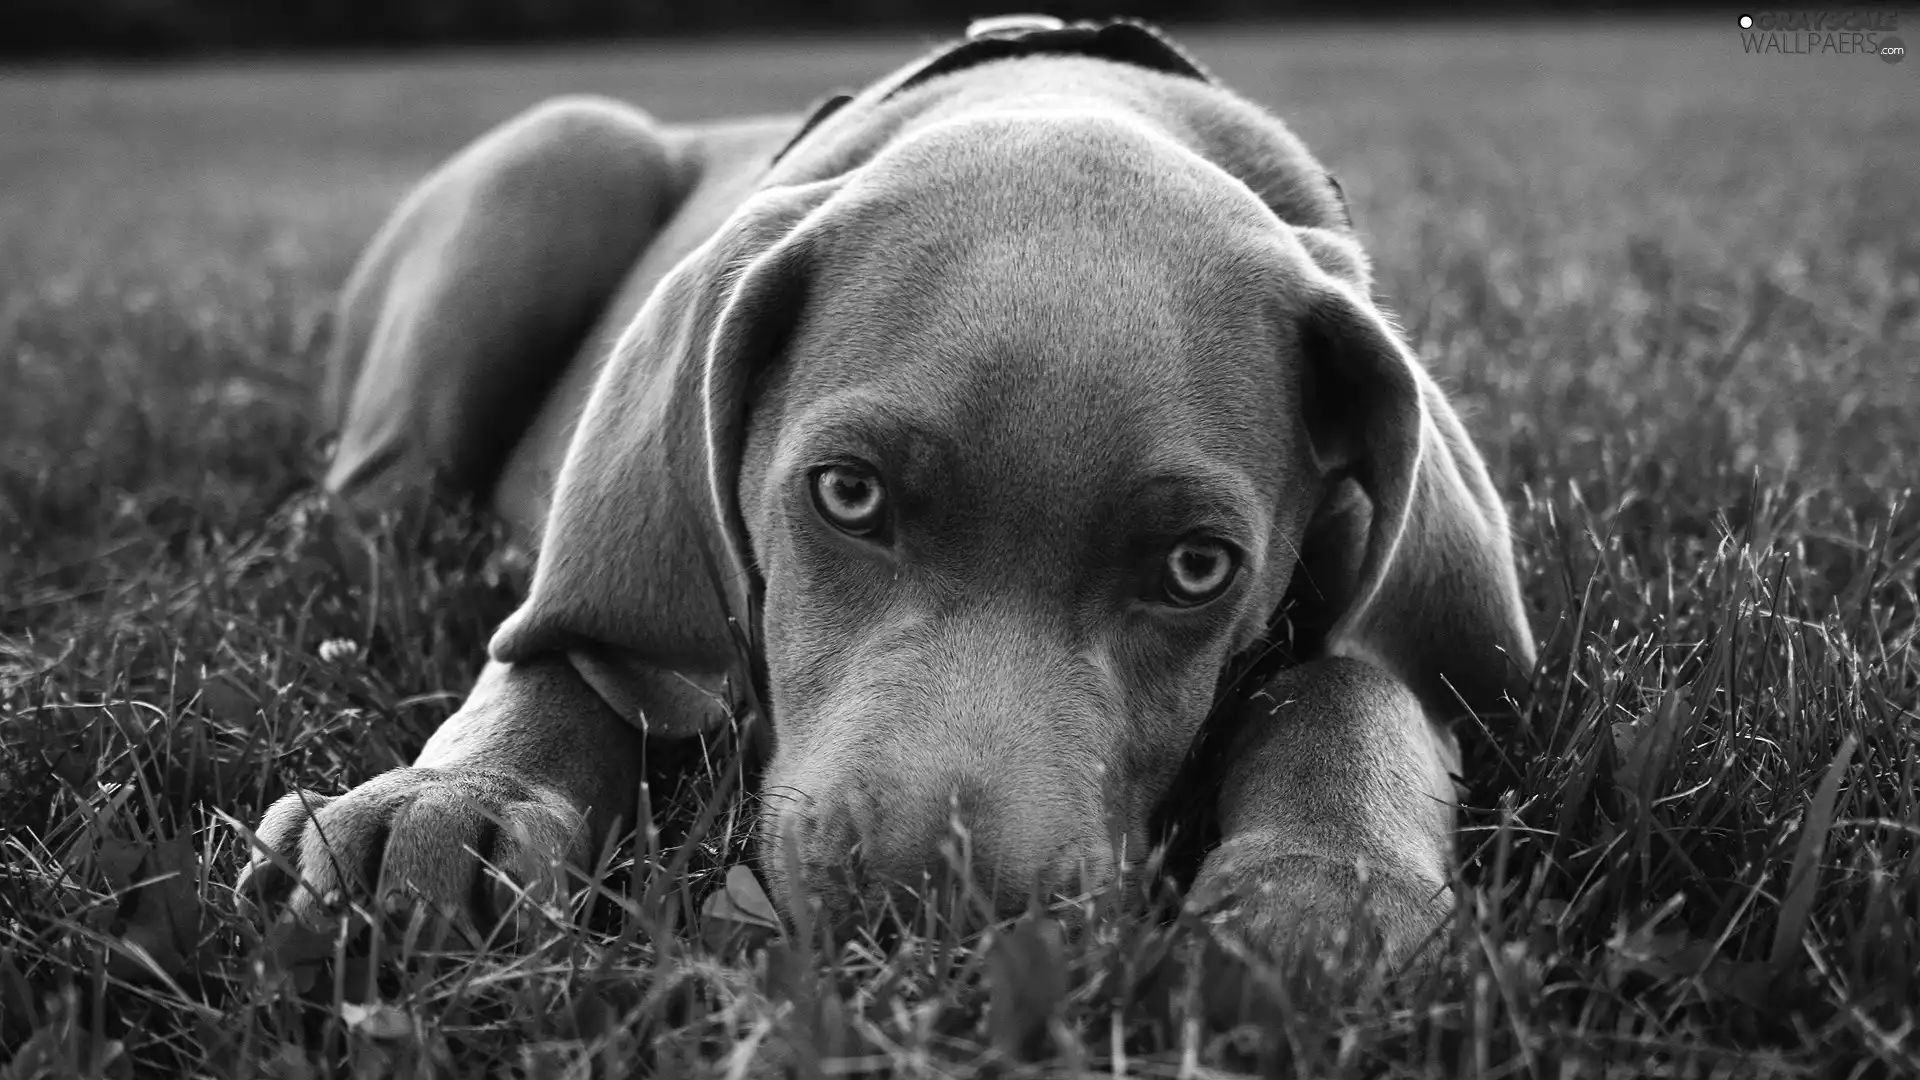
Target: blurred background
<point>66,28</point>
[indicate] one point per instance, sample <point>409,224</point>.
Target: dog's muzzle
<point>966,766</point>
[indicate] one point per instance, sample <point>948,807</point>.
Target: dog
<point>968,429</point>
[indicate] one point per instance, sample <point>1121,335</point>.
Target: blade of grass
<point>1805,877</point>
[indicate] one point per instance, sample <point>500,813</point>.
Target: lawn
<point>1676,290</point>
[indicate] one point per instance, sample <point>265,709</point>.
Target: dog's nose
<point>951,844</point>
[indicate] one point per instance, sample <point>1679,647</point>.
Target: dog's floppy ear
<point>1338,253</point>
<point>643,579</point>
<point>1434,597</point>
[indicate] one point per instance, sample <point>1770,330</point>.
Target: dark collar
<point>1125,41</point>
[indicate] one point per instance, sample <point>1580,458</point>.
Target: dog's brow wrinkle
<point>864,421</point>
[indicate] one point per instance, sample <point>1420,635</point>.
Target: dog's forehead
<point>1050,315</point>
<point>1074,264</point>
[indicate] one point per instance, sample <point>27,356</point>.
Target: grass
<point>1676,289</point>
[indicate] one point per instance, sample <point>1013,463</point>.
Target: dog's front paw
<point>1292,905</point>
<point>418,836</point>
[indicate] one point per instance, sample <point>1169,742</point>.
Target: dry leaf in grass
<point>93,854</point>
<point>162,914</point>
<point>1666,956</point>
<point>1648,950</point>
<point>296,953</point>
<point>1648,746</point>
<point>377,1021</point>
<point>155,885</point>
<point>739,912</point>
<point>289,1063</point>
<point>228,704</point>
<point>1751,982</point>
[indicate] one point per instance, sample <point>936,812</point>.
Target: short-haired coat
<point>981,424</point>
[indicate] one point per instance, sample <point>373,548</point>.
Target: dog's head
<point>1008,442</point>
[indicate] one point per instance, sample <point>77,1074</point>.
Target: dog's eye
<point>1198,569</point>
<point>851,498</point>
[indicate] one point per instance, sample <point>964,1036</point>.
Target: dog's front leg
<point>533,769</point>
<point>1336,785</point>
